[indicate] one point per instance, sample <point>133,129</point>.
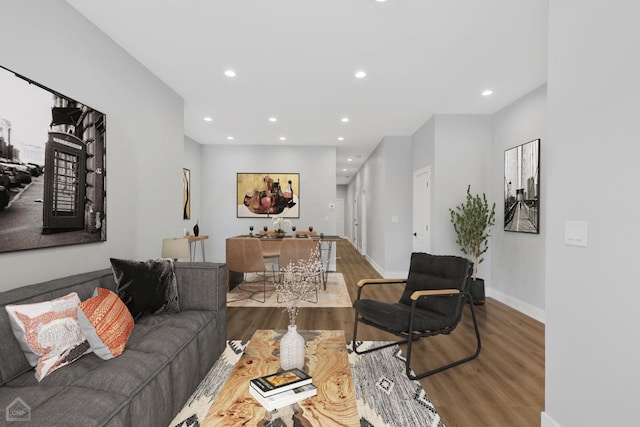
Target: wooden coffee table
<point>326,360</point>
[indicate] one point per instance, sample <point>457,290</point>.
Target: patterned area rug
<point>385,396</point>
<point>336,295</point>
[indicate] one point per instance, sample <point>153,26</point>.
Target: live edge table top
<point>326,360</point>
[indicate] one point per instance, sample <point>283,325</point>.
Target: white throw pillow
<point>48,333</point>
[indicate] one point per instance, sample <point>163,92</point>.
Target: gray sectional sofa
<point>165,358</point>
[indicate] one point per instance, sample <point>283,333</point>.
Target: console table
<point>193,242</point>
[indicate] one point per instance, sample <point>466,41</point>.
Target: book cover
<point>285,398</point>
<point>280,381</point>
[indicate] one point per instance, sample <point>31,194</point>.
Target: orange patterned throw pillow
<point>106,322</point>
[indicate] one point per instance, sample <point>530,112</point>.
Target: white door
<point>340,217</point>
<point>422,210</point>
<point>354,223</point>
<point>363,223</point>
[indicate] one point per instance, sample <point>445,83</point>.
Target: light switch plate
<point>575,233</point>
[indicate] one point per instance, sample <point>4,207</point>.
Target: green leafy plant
<point>471,221</point>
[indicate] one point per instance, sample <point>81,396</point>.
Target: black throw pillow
<point>146,287</point>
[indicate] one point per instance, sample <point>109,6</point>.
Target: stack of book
<point>281,389</point>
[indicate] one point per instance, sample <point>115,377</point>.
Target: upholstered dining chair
<point>302,248</point>
<point>244,255</point>
<point>431,304</point>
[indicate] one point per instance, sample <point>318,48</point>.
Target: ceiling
<point>295,60</point>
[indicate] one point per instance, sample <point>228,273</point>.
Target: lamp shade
<point>175,248</point>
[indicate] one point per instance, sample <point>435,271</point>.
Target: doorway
<point>340,218</point>
<point>422,210</point>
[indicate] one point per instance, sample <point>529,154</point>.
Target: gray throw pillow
<point>146,287</point>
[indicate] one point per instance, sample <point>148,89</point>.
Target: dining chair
<point>293,250</point>
<point>244,255</point>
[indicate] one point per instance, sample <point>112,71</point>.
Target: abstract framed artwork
<point>186,193</point>
<point>52,167</point>
<point>522,188</point>
<point>268,194</point>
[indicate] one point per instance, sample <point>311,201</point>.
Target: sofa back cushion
<point>13,362</point>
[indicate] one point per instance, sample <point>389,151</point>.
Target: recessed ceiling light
<point>230,73</point>
<point>487,92</point>
<point>381,1</point>
<point>208,119</point>
<point>361,74</point>
<point>341,138</point>
<point>283,138</point>
<point>344,170</point>
<point>273,119</point>
<point>230,138</point>
<point>344,119</point>
<point>349,159</point>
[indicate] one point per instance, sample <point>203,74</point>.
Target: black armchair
<point>431,304</point>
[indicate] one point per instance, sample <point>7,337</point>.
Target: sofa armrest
<point>201,285</point>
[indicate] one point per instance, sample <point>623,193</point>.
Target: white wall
<point>397,203</point>
<point>462,156</point>
<point>50,43</point>
<point>193,162</point>
<point>387,183</point>
<point>518,259</point>
<point>221,163</point>
<point>592,293</point>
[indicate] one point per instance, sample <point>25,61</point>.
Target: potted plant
<point>471,221</point>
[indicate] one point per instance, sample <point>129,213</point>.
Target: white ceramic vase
<point>292,349</point>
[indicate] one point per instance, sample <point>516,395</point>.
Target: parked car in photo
<point>37,169</point>
<point>21,171</point>
<point>4,197</point>
<point>8,178</point>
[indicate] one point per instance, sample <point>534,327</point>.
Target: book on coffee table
<point>280,381</point>
<point>285,398</point>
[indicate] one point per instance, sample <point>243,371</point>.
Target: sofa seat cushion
<point>167,334</point>
<point>53,406</point>
<point>123,375</point>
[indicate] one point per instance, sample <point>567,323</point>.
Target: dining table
<point>271,243</point>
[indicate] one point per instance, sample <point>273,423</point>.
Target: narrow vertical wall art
<point>186,194</point>
<point>522,188</point>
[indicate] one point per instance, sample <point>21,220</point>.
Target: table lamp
<point>175,248</point>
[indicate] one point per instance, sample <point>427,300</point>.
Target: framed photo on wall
<point>268,194</point>
<point>522,188</point>
<point>52,167</point>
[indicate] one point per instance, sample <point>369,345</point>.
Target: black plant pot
<point>476,289</point>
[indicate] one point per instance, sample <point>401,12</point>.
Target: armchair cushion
<point>428,272</point>
<point>396,316</point>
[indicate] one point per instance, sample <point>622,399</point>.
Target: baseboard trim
<point>517,304</point>
<point>547,421</point>
<point>376,267</point>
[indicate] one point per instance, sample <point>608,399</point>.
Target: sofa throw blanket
<point>146,287</point>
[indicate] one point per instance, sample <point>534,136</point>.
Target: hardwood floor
<point>503,387</point>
